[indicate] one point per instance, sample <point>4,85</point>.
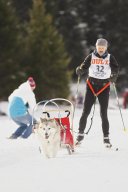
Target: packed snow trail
<point>91,167</point>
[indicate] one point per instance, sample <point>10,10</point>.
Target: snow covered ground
<point>91,168</point>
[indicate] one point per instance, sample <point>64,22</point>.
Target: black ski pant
<point>103,99</point>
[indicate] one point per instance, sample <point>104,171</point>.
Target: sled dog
<point>48,132</point>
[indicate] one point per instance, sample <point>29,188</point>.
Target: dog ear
<point>43,120</point>
<point>35,126</point>
<point>54,121</point>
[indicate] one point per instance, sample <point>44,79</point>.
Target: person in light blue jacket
<point>21,104</point>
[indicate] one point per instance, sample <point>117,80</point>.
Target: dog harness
<point>100,91</point>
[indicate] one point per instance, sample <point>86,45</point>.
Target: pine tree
<point>46,58</point>
<point>22,8</point>
<point>116,31</point>
<point>68,23</point>
<point>8,47</point>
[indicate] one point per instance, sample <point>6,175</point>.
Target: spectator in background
<point>21,104</point>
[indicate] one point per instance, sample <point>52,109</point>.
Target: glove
<point>113,77</point>
<point>79,71</point>
<point>27,105</point>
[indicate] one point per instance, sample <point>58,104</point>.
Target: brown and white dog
<point>48,132</point>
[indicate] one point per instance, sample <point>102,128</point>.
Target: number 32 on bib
<point>100,68</point>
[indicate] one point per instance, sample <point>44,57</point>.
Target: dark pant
<point>103,99</point>
<point>25,126</point>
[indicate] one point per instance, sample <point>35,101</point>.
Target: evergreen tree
<point>107,19</point>
<point>116,31</point>
<point>8,47</point>
<point>82,22</point>
<point>22,8</point>
<point>68,22</point>
<point>46,58</point>
<point>92,14</point>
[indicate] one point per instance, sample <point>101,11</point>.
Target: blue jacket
<point>17,107</point>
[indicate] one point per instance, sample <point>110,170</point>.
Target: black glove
<point>27,105</point>
<point>79,71</point>
<point>113,77</point>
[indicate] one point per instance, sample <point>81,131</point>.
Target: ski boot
<point>12,137</point>
<point>107,142</point>
<point>79,138</point>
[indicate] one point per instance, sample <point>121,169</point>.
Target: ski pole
<point>117,98</point>
<point>78,82</point>
<point>76,95</point>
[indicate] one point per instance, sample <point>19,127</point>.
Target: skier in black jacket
<point>102,69</point>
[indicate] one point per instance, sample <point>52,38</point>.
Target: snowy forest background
<point>48,39</point>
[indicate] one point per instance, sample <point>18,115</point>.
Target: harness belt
<point>100,91</point>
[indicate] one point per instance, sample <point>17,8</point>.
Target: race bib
<point>100,68</point>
